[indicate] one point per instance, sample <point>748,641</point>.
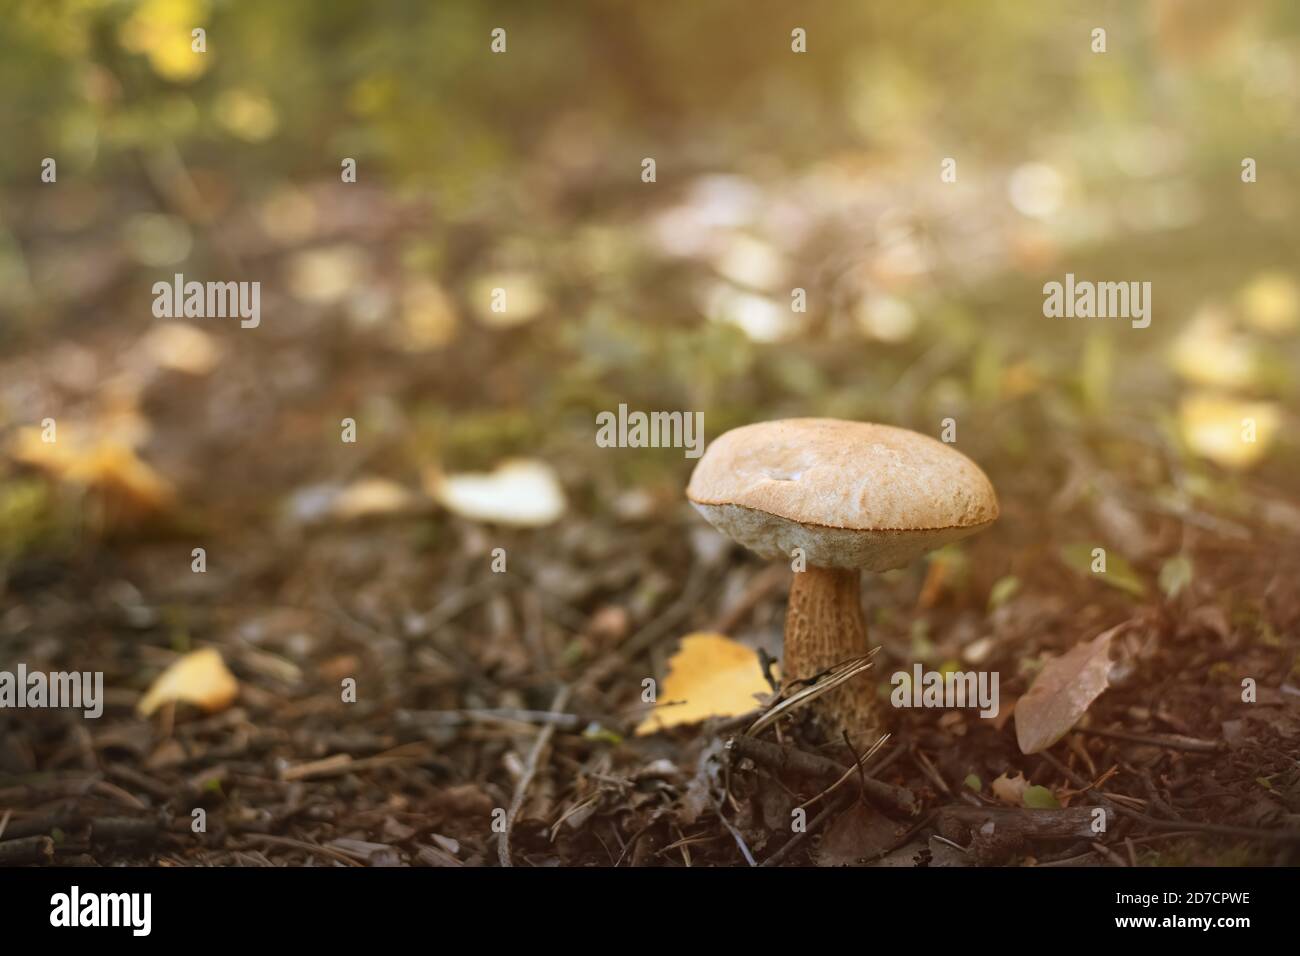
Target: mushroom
<point>853,496</point>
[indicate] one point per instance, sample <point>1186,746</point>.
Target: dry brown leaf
<point>1062,693</point>
<point>855,837</point>
<point>200,678</point>
<point>710,676</point>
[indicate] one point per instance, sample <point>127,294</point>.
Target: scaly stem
<point>824,626</point>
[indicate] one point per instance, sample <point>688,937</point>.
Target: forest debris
<point>1071,822</point>
<point>1062,693</point>
<point>535,760</point>
<point>123,830</point>
<point>200,678</point>
<point>779,759</point>
<point>710,676</point>
<point>520,492</point>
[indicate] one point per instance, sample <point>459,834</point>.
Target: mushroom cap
<point>850,494</point>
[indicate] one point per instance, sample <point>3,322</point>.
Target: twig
<point>827,680</point>
<point>1171,742</point>
<point>857,766</point>
<point>530,770</point>
<point>1045,824</point>
<point>504,715</point>
<point>37,849</point>
<point>789,846</point>
<point>787,759</point>
<point>1109,800</point>
<point>1108,853</point>
<point>302,845</point>
<point>731,828</point>
<point>923,763</point>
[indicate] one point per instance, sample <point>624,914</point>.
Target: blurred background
<point>775,170</point>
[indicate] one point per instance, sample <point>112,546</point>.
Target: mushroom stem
<point>824,626</point>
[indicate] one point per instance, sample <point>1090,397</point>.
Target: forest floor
<point>490,702</point>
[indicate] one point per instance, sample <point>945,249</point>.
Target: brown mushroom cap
<point>850,494</point>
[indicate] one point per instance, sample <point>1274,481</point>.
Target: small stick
<point>123,830</point>
<point>1169,742</point>
<point>1036,824</point>
<point>848,773</point>
<point>928,768</point>
<point>731,828</point>
<point>37,849</point>
<point>788,847</point>
<point>530,770</point>
<point>302,845</point>
<point>1108,853</point>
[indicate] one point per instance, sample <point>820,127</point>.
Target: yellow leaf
<point>1210,352</point>
<point>1011,790</point>
<point>710,676</point>
<point>373,498</point>
<point>200,678</point>
<point>99,455</point>
<point>1270,302</point>
<point>1231,432</point>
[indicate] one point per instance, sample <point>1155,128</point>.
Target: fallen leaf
<point>1062,692</point>
<point>200,678</point>
<point>1118,574</point>
<point>181,348</point>
<point>507,299</point>
<point>1231,432</point>
<point>1010,790</point>
<point>1270,302</point>
<point>1175,575</point>
<point>521,492</point>
<point>856,836</point>
<point>1003,590</point>
<point>1040,798</point>
<point>100,455</point>
<point>428,318</point>
<point>372,498</point>
<point>710,676</point>
<point>1210,352</point>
